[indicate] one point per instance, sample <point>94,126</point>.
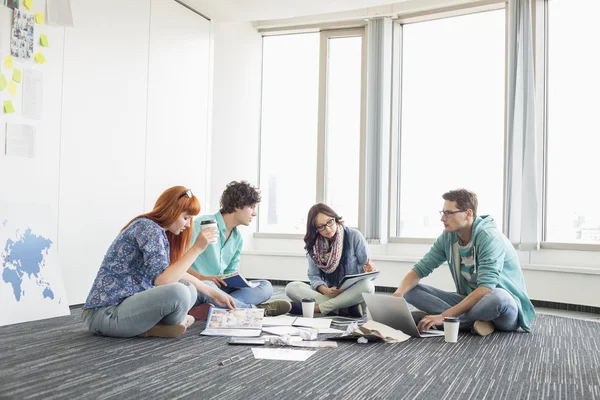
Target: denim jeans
<point>167,304</point>
<point>243,297</point>
<point>349,297</point>
<point>497,306</point>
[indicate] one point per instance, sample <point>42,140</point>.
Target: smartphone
<point>257,341</point>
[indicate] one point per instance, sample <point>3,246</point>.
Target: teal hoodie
<point>496,264</point>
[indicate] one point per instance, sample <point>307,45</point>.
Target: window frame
<point>321,178</point>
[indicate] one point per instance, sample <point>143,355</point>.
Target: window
<point>310,134</point>
<point>572,208</point>
<point>288,172</point>
<point>452,118</point>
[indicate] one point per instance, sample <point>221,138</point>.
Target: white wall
<point>236,109</point>
<point>126,114</point>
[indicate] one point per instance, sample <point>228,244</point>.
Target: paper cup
<point>451,325</point>
<point>209,224</point>
<point>308,307</point>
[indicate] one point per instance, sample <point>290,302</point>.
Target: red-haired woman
<point>142,287</point>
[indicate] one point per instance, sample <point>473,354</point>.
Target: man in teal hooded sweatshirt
<point>490,288</point>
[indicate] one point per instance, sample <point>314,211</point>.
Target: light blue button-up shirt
<point>222,257</point>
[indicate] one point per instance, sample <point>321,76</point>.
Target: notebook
<point>241,322</point>
<point>350,280</point>
<point>235,280</point>
<point>394,312</point>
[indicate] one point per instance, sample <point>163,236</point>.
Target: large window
<point>452,118</point>
<point>573,138</point>
<point>311,127</point>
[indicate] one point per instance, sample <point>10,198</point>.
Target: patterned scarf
<point>327,257</point>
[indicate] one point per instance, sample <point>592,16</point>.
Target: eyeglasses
<point>329,224</point>
<point>449,213</point>
<point>187,193</point>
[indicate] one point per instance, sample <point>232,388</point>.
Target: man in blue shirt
<point>490,288</point>
<point>238,207</point>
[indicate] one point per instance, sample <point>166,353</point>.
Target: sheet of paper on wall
<point>28,4</point>
<point>12,89</point>
<point>44,40</point>
<point>33,94</point>
<point>21,41</point>
<point>39,58</point>
<point>8,62</point>
<point>8,107</point>
<point>14,4</point>
<point>39,18</point>
<point>3,82</point>
<point>20,140</point>
<point>17,75</point>
<point>59,12</point>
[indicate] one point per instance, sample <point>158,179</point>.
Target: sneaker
<point>166,331</point>
<point>189,321</point>
<point>483,328</point>
<point>355,310</point>
<point>200,312</point>
<point>276,307</point>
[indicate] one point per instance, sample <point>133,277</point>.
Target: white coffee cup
<point>209,223</point>
<point>308,307</point>
<point>451,325</point>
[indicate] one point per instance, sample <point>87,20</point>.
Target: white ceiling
<point>260,10</point>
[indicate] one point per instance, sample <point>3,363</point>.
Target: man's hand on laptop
<point>429,321</point>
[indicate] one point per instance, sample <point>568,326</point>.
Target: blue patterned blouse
<point>133,261</point>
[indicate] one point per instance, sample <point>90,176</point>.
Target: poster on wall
<point>31,286</point>
<point>21,41</point>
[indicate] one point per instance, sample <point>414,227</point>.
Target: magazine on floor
<point>241,322</point>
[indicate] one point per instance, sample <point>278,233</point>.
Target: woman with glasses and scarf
<point>333,251</point>
<point>142,287</point>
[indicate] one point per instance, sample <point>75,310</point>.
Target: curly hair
<point>238,195</point>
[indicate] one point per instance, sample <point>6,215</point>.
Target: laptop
<point>394,312</point>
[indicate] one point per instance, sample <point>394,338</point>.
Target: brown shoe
<point>200,312</point>
<point>483,328</point>
<point>166,331</point>
<point>276,307</point>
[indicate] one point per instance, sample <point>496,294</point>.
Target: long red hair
<point>167,209</point>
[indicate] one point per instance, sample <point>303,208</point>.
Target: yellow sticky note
<point>28,4</point>
<point>12,88</point>
<point>3,82</point>
<point>8,62</point>
<point>39,57</point>
<point>44,40</point>
<point>39,18</point>
<point>17,75</point>
<point>8,107</point>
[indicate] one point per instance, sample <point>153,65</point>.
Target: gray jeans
<point>349,297</point>
<point>166,304</point>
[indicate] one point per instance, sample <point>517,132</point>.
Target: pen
<point>231,360</point>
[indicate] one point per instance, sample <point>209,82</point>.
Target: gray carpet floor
<point>60,359</point>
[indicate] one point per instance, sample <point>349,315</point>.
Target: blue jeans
<point>243,297</point>
<point>497,306</point>
<point>166,304</point>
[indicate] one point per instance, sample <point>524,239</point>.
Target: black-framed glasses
<point>187,193</point>
<point>328,224</point>
<point>447,213</point>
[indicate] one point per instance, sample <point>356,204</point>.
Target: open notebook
<point>246,322</point>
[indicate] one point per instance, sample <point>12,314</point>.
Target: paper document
<point>280,320</point>
<point>32,94</point>
<point>59,12</point>
<point>318,323</point>
<point>282,354</point>
<point>20,140</point>
<point>350,280</point>
<point>386,331</point>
